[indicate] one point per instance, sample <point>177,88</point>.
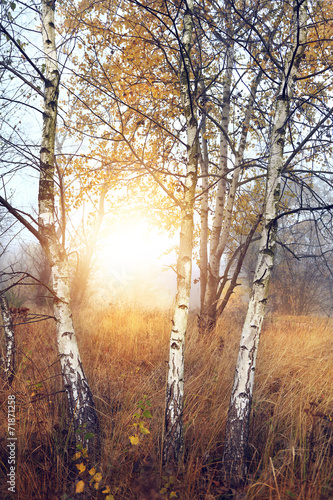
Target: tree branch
<point>21,219</point>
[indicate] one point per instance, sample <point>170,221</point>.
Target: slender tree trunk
<point>204,218</point>
<point>81,405</point>
<point>173,430</point>
<point>233,281</point>
<point>208,315</point>
<point>222,223</point>
<point>9,361</point>
<point>237,429</point>
<point>80,399</point>
<point>44,276</point>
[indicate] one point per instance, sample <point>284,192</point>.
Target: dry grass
<point>125,353</point>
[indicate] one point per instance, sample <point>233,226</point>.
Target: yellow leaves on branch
<point>79,487</point>
<point>81,468</point>
<point>96,479</point>
<point>319,50</point>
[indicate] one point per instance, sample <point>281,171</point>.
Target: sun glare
<point>133,246</point>
<point>132,258</point>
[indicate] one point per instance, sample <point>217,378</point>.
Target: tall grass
<point>125,354</point>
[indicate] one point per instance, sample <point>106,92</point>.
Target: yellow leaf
<point>98,477</point>
<point>109,497</point>
<point>77,455</point>
<point>81,468</point>
<point>79,487</point>
<point>92,471</point>
<point>134,440</point>
<point>106,491</point>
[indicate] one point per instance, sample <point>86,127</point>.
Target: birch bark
<point>203,261</point>
<point>81,405</point>
<point>173,429</point>
<point>9,362</point>
<point>237,429</point>
<point>223,218</point>
<point>213,270</point>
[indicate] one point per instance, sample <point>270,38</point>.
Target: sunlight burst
<point>132,257</point>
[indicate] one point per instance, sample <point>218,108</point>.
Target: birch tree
<point>79,396</point>
<point>229,176</point>
<point>173,429</point>
<point>237,429</point>
<point>213,267</point>
<point>210,279</point>
<point>9,360</point>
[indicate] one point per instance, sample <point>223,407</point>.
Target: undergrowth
<point>125,355</point>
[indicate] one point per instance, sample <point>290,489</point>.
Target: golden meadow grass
<point>125,356</point>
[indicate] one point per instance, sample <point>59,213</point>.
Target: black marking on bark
<point>70,334</point>
<point>193,122</point>
<point>261,277</point>
<point>268,251</point>
<point>48,84</point>
<point>243,395</point>
<point>175,346</point>
<point>182,306</point>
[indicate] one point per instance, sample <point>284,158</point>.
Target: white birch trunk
<point>204,218</point>
<point>80,400</point>
<point>217,246</point>
<point>9,361</point>
<point>235,178</point>
<point>213,271</point>
<point>237,429</point>
<point>173,430</point>
<point>79,396</point>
